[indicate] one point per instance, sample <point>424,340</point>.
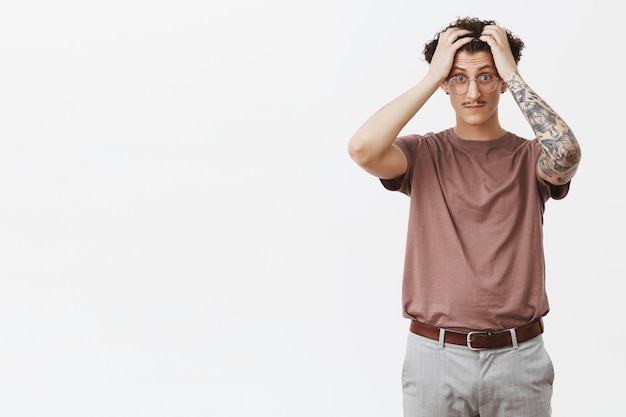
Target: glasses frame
<point>469,81</point>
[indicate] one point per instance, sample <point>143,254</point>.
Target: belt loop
<point>442,337</point>
<point>513,338</point>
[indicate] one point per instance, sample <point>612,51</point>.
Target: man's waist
<point>480,339</point>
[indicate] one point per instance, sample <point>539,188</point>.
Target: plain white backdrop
<point>182,232</point>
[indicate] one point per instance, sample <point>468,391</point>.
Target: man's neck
<point>482,132</point>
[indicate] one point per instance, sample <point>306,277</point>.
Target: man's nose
<point>472,89</point>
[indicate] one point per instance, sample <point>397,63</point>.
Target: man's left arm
<point>561,152</point>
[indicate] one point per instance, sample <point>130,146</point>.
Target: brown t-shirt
<point>474,254</point>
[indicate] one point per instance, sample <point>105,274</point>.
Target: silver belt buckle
<point>469,340</point>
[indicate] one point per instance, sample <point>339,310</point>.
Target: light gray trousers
<point>453,381</point>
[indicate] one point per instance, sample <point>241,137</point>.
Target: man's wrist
<point>512,76</point>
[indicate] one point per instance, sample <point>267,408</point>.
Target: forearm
<point>374,138</point>
<point>562,152</point>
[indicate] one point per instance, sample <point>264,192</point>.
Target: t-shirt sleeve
<point>409,145</point>
<point>558,192</point>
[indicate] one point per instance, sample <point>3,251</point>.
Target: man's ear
<point>503,87</point>
<point>444,87</point>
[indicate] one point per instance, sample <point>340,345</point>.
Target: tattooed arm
<point>561,152</point>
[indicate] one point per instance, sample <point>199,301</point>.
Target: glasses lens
<point>486,83</point>
<point>458,85</point>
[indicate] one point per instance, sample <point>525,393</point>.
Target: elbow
<point>359,151</point>
<point>355,150</point>
<point>570,159</point>
<point>559,168</point>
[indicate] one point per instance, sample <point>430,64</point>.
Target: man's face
<point>475,106</point>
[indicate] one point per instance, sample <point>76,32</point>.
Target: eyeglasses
<point>459,83</point>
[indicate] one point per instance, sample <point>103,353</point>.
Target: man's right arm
<point>372,147</point>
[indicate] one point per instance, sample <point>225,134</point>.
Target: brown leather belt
<point>479,340</point>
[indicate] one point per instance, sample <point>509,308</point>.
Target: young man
<point>474,278</point>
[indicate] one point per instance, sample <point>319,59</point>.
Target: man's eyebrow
<point>486,66</point>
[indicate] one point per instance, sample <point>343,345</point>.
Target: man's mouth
<point>473,106</point>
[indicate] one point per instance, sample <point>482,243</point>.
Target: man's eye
<point>485,77</point>
<point>459,78</point>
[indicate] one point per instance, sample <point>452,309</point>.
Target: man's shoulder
<point>521,143</point>
<point>429,137</point>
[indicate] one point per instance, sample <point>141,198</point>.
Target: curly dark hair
<point>476,26</point>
